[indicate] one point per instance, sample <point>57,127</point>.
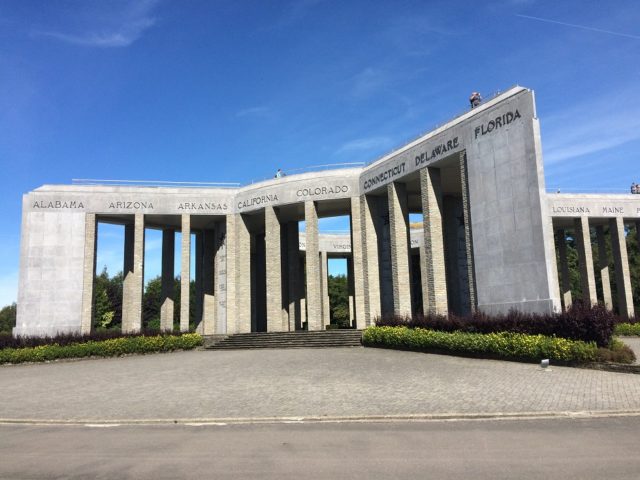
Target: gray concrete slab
<point>578,449</point>
<point>302,383</point>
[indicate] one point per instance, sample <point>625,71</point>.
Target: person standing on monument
<point>475,99</point>
<point>278,174</point>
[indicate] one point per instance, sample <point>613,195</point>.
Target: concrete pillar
<point>565,282</point>
<point>314,299</point>
<point>294,278</point>
<point>231,269</point>
<point>357,263</point>
<point>132,288</point>
<point>370,259</point>
<point>351,290</point>
<point>185,272</point>
<point>89,272</point>
<point>199,266</point>
<point>242,279</point>
<point>400,264</point>
<point>167,279</point>
<point>468,234</point>
<point>273,249</point>
<point>621,264</point>
<point>220,277</point>
<point>434,283</point>
<point>603,262</point>
<point>585,259</point>
<point>303,311</point>
<point>207,323</point>
<point>324,283</point>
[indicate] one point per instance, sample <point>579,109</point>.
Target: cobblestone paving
<point>303,382</point>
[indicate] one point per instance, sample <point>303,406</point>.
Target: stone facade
<point>486,240</point>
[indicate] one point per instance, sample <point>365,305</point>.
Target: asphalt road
<point>566,448</point>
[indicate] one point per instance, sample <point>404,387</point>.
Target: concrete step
<point>323,339</point>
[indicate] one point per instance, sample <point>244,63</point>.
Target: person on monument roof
<point>279,174</point>
<point>475,99</point>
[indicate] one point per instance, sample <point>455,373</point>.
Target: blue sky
<point>231,90</point>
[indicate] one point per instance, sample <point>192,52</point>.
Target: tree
<point>339,300</point>
<point>8,318</point>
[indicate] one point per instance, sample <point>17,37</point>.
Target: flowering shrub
<point>499,344</point>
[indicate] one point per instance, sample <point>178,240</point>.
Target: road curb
<point>438,417</point>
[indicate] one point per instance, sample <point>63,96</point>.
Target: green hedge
<point>106,348</point>
<point>627,329</point>
<point>502,344</point>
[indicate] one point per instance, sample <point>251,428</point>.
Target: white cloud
<point>260,111</point>
<point>591,126</point>
<point>365,144</point>
<point>8,288</point>
<point>119,28</point>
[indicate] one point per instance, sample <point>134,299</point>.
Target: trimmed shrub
<point>617,352</point>
<point>8,341</point>
<point>106,348</point>
<point>627,329</point>
<point>506,345</point>
<point>589,324</point>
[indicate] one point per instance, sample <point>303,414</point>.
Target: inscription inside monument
<point>425,157</point>
<point>612,209</point>
<point>571,209</point>
<point>384,176</point>
<point>308,192</point>
<point>496,123</point>
<point>258,200</point>
<point>58,204</point>
<point>341,246</point>
<point>213,206</point>
<point>130,205</point>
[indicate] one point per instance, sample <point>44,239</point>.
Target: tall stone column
<point>324,283</point>
<point>371,259</point>
<point>220,277</point>
<point>603,262</point>
<point>434,283</point>
<point>585,258</point>
<point>273,249</point>
<point>357,263</point>
<point>468,234</point>
<point>132,288</point>
<point>314,298</point>
<point>400,264</point>
<point>167,279</point>
<point>294,279</point>
<point>89,272</point>
<point>185,272</point>
<point>243,275</point>
<point>199,266</point>
<point>621,264</point>
<point>351,290</point>
<point>208,322</point>
<point>231,241</point>
<point>565,283</point>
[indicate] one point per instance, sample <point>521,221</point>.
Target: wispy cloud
<point>117,28</point>
<point>259,111</point>
<point>582,27</point>
<point>591,127</point>
<point>364,144</point>
<point>368,81</point>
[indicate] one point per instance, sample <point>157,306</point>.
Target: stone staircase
<point>320,339</point>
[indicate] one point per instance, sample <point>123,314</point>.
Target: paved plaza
<point>338,382</point>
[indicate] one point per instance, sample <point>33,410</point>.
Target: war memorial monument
<point>488,240</point>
